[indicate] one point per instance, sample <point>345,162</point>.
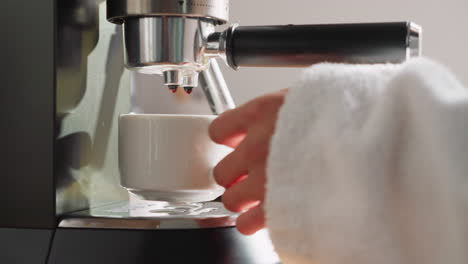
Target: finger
<point>257,142</point>
<point>251,221</point>
<point>230,127</point>
<point>233,166</point>
<point>253,150</point>
<point>234,123</point>
<point>235,140</point>
<point>246,193</point>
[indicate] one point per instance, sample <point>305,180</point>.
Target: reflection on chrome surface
<point>154,215</point>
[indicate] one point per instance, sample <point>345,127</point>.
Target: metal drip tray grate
<point>151,215</point>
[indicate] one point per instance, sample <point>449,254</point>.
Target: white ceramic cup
<point>169,157</point>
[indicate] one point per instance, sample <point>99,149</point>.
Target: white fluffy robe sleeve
<point>369,165</point>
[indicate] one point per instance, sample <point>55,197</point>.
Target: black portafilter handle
<point>304,45</point>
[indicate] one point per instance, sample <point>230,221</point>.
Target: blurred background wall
<point>445,37</point>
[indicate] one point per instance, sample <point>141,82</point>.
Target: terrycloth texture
<point>369,165</point>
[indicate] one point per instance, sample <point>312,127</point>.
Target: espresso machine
<point>66,70</point>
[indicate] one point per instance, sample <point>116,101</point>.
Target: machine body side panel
<point>27,111</point>
<point>28,246</point>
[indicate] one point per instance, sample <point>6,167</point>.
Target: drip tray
<point>151,215</point>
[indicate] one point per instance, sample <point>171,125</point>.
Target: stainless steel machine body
<point>169,45</point>
<point>170,38</point>
<point>215,10</point>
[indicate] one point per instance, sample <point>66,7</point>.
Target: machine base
<point>119,246</point>
<point>217,245</point>
<point>139,233</point>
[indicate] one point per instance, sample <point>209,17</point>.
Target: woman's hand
<point>247,129</point>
